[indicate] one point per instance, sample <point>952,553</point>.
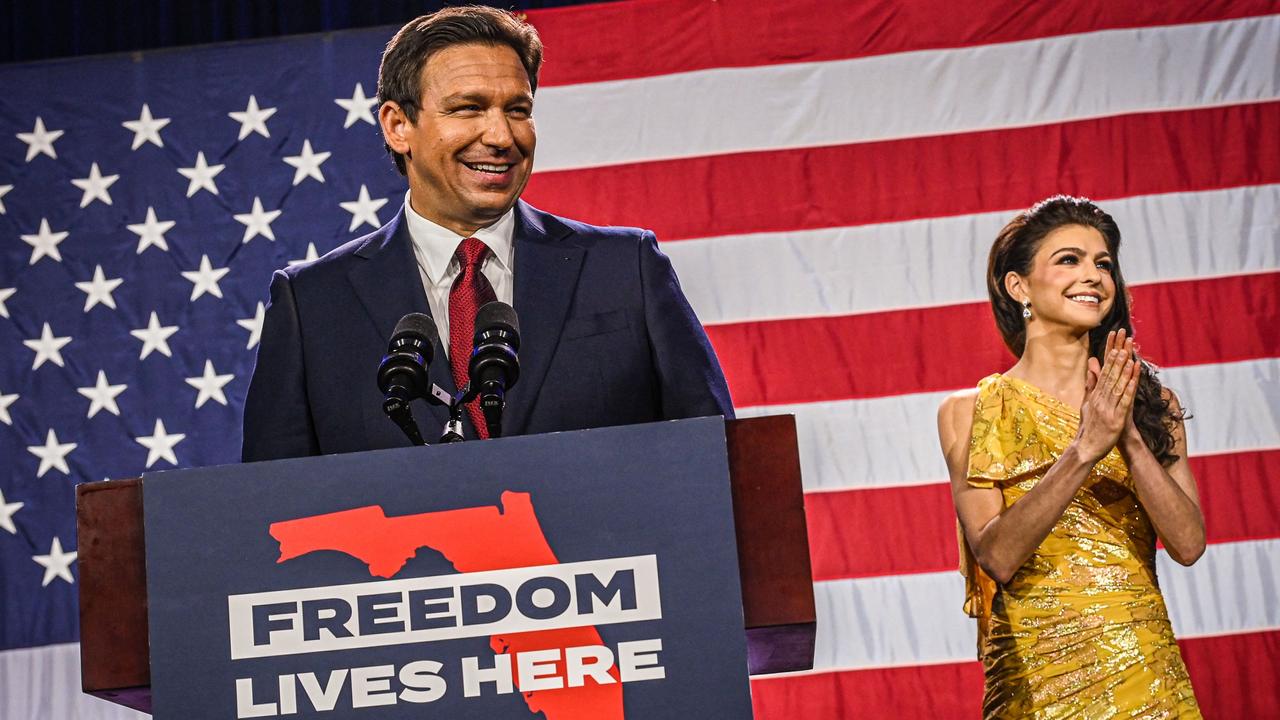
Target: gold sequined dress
<point>1081,629</point>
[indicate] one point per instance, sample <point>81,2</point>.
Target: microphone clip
<point>453,428</point>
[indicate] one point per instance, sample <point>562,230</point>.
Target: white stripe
<point>891,621</point>
<point>912,94</point>
<point>43,683</point>
<point>890,441</point>
<point>942,261</point>
<point>1234,588</point>
<point>1236,406</point>
<point>917,619</point>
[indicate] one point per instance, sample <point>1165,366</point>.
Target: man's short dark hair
<point>400,75</point>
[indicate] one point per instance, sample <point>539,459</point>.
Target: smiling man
<point>607,336</point>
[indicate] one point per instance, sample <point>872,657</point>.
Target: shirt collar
<point>436,243</point>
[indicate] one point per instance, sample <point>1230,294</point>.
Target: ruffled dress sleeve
<point>1004,445</point>
<point>1006,442</point>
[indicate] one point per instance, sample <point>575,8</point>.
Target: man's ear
<point>396,127</point>
<point>1016,286</point>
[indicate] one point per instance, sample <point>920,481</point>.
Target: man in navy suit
<point>607,337</point>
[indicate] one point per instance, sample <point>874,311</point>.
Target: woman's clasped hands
<point>1107,410</point>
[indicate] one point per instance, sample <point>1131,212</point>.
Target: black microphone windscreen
<point>417,324</point>
<point>497,313</point>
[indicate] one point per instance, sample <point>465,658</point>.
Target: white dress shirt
<point>434,246</point>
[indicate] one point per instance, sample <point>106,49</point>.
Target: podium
<point>768,533</point>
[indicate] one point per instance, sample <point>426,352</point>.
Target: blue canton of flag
<point>144,202</point>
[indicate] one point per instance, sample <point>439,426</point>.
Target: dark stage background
<point>66,28</point>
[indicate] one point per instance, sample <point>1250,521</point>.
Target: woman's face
<point>1071,281</point>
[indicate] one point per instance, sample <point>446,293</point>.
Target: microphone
<point>402,374</point>
<point>494,366</point>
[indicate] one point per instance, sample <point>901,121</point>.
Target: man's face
<point>470,152</point>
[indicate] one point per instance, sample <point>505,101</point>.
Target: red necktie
<point>471,289</point>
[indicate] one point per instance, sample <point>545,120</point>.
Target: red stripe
<point>599,43</point>
<point>896,180</point>
<point>1191,322</point>
<point>849,537</point>
<point>1209,321</point>
<point>1239,494</point>
<point>1234,676</point>
<point>924,691</point>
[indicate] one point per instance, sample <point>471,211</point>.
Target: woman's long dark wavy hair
<point>1013,251</point>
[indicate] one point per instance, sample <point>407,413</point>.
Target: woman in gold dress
<point>1065,469</point>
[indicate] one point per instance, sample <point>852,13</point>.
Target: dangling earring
<point>1026,309</point>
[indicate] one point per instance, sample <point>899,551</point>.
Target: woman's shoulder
<point>956,411</point>
<point>962,402</point>
<point>958,402</point>
<point>955,417</point>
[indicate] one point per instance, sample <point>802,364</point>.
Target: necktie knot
<point>471,253</point>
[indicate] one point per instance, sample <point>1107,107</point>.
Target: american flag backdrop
<point>827,178</point>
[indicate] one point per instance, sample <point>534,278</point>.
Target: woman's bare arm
<point>1002,539</point>
<point>1167,494</point>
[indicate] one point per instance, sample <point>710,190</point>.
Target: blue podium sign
<point>568,576</point>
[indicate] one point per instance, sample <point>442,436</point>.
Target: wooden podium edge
<point>773,543</point>
<point>114,641</point>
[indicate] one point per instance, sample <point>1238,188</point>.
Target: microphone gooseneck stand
<point>398,410</point>
<point>402,374</point>
<point>493,368</point>
<point>495,364</point>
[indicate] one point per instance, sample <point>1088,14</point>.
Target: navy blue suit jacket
<point>607,338</point>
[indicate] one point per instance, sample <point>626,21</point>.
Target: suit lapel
<point>389,286</point>
<point>546,276</point>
